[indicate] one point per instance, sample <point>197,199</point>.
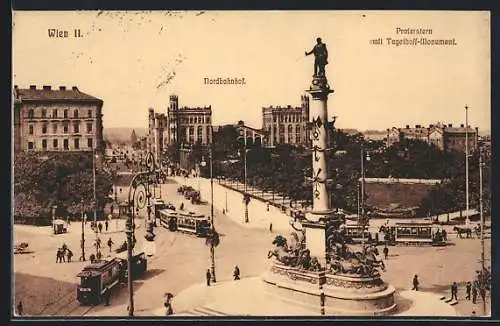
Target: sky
<point>134,61</point>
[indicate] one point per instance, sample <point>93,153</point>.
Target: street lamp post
<point>83,233</point>
<point>481,165</point>
<point>95,197</point>
<point>467,221</point>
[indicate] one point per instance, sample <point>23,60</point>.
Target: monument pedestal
<point>337,294</point>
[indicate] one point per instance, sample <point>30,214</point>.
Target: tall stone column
<point>318,120</point>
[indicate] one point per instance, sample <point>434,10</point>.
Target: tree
<point>42,180</point>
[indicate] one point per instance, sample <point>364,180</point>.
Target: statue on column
<point>320,57</point>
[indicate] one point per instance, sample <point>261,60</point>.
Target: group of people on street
<point>64,254</point>
<point>236,274</point>
<point>97,227</point>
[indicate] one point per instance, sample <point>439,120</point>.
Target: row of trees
<point>42,180</point>
<point>286,168</point>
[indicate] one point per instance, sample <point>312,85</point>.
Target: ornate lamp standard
<point>138,197</point>
<point>83,233</point>
<point>94,156</point>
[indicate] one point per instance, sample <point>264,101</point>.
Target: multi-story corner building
<point>444,137</point>
<point>287,125</point>
<point>63,119</point>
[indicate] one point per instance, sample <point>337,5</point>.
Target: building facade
<point>444,137</point>
<point>63,119</point>
<point>287,125</point>
<point>185,126</point>
<point>188,125</point>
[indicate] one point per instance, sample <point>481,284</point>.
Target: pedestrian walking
<point>167,303</point>
<point>416,283</point>
<point>454,291</point>
<point>97,243</point>
<point>482,292</point>
<point>58,255</point>
<point>110,244</point>
<point>444,235</point>
<point>208,276</point>
<point>236,273</point>
<point>182,207</point>
<point>386,252</point>
<point>69,254</point>
<point>106,225</point>
<point>271,227</point>
<point>106,296</point>
<point>100,227</point>
<point>92,258</point>
<point>468,287</point>
<point>473,313</point>
<point>99,255</point>
<point>20,308</point>
<point>474,293</point>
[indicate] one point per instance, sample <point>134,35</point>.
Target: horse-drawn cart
<point>21,248</point>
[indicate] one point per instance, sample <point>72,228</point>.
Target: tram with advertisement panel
<point>188,223</point>
<point>413,233</point>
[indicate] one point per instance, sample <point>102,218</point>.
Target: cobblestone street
<point>181,260</point>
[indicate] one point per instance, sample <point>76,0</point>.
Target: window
<point>44,113</point>
<point>65,128</point>
<point>31,129</point>
<point>209,134</point>
<point>90,143</point>
<point>65,113</point>
<point>208,119</point>
<point>44,143</point>
<point>54,143</point>
<point>77,143</point>
<point>44,129</point>
<point>54,128</point>
<point>75,114</point>
<point>66,144</point>
<point>89,113</point>
<point>31,114</point>
<point>31,145</point>
<point>54,113</point>
<point>199,133</point>
<point>89,127</point>
<point>191,134</point>
<point>76,128</point>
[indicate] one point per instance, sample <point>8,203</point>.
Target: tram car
<point>414,233</point>
<point>354,234</point>
<point>159,205</point>
<point>104,275</point>
<point>191,223</point>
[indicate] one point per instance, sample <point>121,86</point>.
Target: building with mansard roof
<point>57,119</point>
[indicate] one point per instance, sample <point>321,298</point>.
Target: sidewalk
<point>252,297</point>
<point>258,215</point>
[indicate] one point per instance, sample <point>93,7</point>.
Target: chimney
<point>62,88</point>
<point>46,88</point>
<point>462,125</point>
<point>32,86</point>
<point>450,125</point>
<point>74,88</point>
<point>407,126</point>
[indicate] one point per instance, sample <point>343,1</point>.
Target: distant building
<point>188,125</point>
<point>62,119</point>
<point>185,126</point>
<point>286,125</point>
<point>444,137</point>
